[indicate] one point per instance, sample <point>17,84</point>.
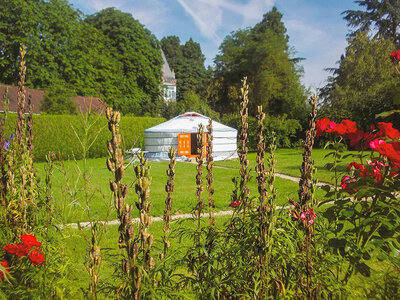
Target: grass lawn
<point>289,162</point>
<point>72,206</point>
<point>75,249</point>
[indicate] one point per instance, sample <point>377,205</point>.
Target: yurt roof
<point>188,122</point>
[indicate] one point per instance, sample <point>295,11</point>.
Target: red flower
<point>30,240</point>
<point>386,129</point>
<point>36,257</point>
<point>390,150</point>
<point>344,128</point>
<point>4,264</point>
<point>17,249</point>
<point>395,55</point>
<point>357,166</point>
<point>234,203</point>
<point>322,125</point>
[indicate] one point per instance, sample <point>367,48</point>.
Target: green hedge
<point>55,133</point>
<point>286,130</point>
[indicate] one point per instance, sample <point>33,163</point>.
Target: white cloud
<point>304,35</point>
<point>325,57</point>
<point>152,13</point>
<point>207,16</point>
<point>321,46</point>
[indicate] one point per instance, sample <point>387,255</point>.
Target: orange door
<point>184,144</point>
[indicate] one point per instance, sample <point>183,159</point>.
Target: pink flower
<point>308,216</point>
<point>345,182</point>
<point>311,216</point>
<point>376,144</point>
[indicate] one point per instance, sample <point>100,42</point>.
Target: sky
<point>316,28</point>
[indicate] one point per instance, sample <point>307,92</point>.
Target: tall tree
<point>18,25</point>
<point>364,84</point>
<point>138,52</point>
<point>262,54</point>
<point>383,16</point>
<point>171,45</point>
<point>187,61</point>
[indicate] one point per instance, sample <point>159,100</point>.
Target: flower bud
<point>109,113</point>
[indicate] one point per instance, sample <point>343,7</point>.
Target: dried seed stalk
<point>169,188</point>
<point>209,176</point>
<point>198,210</point>
<point>305,196</point>
<point>115,164</point>
<point>3,179</point>
<point>243,150</point>
<point>199,176</point>
<point>29,144</point>
<point>305,178</point>
<point>21,99</point>
<point>263,206</point>
<point>142,188</point>
<point>94,262</point>
<point>29,126</point>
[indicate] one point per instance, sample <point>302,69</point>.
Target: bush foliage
<point>286,130</point>
<point>56,133</point>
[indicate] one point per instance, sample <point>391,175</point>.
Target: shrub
<point>55,133</point>
<point>286,130</point>
<point>58,101</point>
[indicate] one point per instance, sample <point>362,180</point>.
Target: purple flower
<point>6,145</point>
<point>12,136</point>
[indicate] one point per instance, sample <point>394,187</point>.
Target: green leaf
<point>364,269</point>
<point>389,113</point>
<point>337,243</point>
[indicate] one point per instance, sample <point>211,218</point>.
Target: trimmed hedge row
<point>55,133</point>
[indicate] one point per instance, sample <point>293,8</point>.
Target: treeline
<point>108,55</point>
<point>113,56</point>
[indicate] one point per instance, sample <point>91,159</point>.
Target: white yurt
<point>181,133</point>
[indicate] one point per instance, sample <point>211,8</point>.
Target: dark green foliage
<point>187,61</point>
<point>58,101</point>
<point>262,54</point>
<point>55,133</point>
<point>364,84</point>
<point>286,130</point>
<point>191,102</point>
<point>138,57</point>
<point>111,56</point>
<point>380,15</point>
